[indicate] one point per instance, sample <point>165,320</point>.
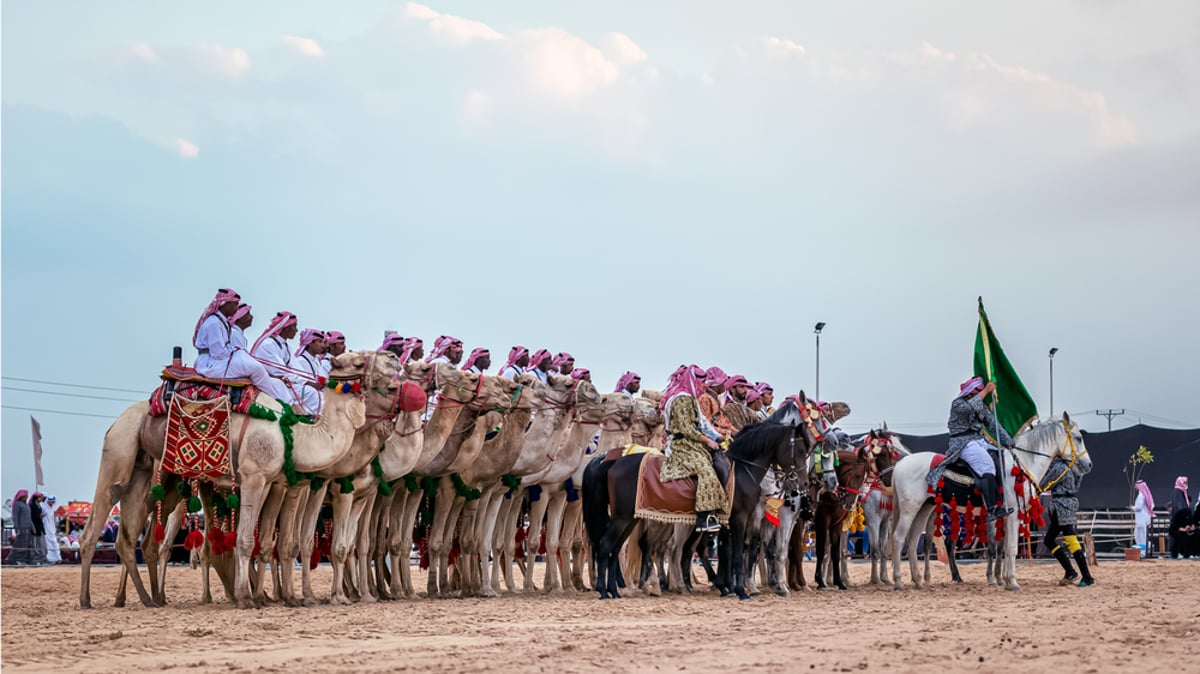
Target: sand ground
<point>1141,615</point>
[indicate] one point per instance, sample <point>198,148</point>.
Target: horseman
<point>629,383</point>
<point>710,400</point>
<point>218,359</point>
<point>754,403</point>
<point>1062,481</point>
<point>735,410</point>
<point>446,350</point>
<point>518,360</point>
<point>541,364</point>
<point>969,418</point>
<point>690,443</point>
<point>479,361</point>
<point>308,361</point>
<point>768,397</point>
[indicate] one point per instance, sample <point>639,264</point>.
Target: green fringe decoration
<point>316,483</point>
<point>194,504</point>
<point>461,488</point>
<point>259,412</point>
<point>232,501</point>
<point>377,471</point>
<point>184,489</point>
<point>287,419</point>
<point>385,489</point>
<point>513,482</point>
<point>430,486</point>
<point>157,493</point>
<point>347,484</point>
<point>411,483</point>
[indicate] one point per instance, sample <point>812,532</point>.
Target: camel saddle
<point>674,502</point>
<point>629,450</point>
<point>191,385</point>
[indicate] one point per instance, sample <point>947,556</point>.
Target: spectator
<point>1143,512</point>
<point>1181,520</point>
<point>22,549</point>
<point>50,525</point>
<point>36,508</point>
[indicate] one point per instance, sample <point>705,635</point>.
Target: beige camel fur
<point>135,441</point>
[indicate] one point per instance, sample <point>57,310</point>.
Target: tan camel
<point>135,441</point>
<point>563,507</point>
<point>542,439</point>
<point>399,459</point>
<point>586,411</point>
<point>496,459</point>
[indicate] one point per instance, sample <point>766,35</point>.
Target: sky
<point>641,184</point>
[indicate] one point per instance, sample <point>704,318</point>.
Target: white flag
<point>37,451</point>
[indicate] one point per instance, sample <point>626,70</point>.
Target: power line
<point>69,395</point>
<point>73,414</point>
<point>60,383</point>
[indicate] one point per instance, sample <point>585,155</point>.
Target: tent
<point>1176,452</point>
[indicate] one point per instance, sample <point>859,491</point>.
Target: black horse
<point>784,439</point>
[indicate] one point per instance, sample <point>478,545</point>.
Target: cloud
<point>186,148</point>
<point>566,65</point>
<point>304,45</point>
<point>781,46</point>
<point>143,52</point>
<point>477,107</point>
<point>454,28</point>
<point>623,50</point>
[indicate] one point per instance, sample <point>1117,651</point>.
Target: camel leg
<point>448,534</point>
<point>396,551</point>
<point>268,537</point>
<point>436,541</point>
<point>307,537</point>
<point>343,540</point>
<point>294,500</point>
<point>572,539</point>
<point>554,522</point>
<point>380,542</point>
<point>254,493</point>
<point>364,508</point>
<point>533,537</point>
<point>504,547</point>
<point>408,520</point>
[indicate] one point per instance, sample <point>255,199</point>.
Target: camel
<point>552,482</point>
<point>542,439</point>
<point>495,394</point>
<point>498,457</point>
<point>135,441</point>
<point>460,451</point>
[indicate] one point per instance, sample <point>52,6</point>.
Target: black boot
<point>1070,576</point>
<point>1081,560</point>
<point>991,495</point>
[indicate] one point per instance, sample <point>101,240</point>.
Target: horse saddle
<point>674,502</point>
<point>185,381</point>
<point>961,472</point>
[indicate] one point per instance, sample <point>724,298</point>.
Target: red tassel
<point>160,534</point>
<point>257,547</point>
<point>314,559</point>
<point>194,540</point>
<point>230,541</point>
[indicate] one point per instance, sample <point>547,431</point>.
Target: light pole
<point>1053,350</point>
<point>817,331</point>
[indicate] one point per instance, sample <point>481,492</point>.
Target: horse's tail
<point>633,554</point>
<point>595,500</point>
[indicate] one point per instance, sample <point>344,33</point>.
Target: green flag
<point>1014,407</point>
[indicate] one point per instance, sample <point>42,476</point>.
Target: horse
<point>877,507</point>
<point>1035,449</point>
<point>785,439</point>
<point>833,507</point>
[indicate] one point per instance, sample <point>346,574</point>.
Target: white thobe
<point>237,339</point>
<point>275,355</point>
<point>1141,521</point>
<point>512,372</point>
<point>218,360</point>
<point>310,397</point>
<point>51,536</point>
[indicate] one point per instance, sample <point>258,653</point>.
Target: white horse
<point>1035,449</point>
<point>877,511</point>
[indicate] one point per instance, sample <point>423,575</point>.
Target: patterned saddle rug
<point>629,450</point>
<point>188,383</point>
<point>197,445</point>
<point>674,502</point>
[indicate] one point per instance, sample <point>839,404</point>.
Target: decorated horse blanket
<point>188,383</point>
<point>674,502</point>
<point>197,444</point>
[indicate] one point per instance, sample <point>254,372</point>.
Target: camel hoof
<point>340,600</point>
<point>367,599</point>
<point>246,603</point>
<point>309,602</point>
<point>1013,588</point>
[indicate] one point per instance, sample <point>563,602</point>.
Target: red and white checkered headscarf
<point>278,323</point>
<point>391,340</point>
<point>514,354</point>
<point>626,379</point>
<point>686,380</point>
<point>476,354</point>
<point>538,358</point>
<point>334,337</point>
<point>308,336</point>
<point>242,310</point>
<point>714,376</point>
<point>561,359</point>
<point>411,344</point>
<point>223,295</point>
<point>441,345</point>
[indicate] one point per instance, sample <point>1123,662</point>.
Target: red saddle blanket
<point>188,383</point>
<point>671,502</point>
<point>197,444</point>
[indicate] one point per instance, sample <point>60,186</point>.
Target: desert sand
<point>1141,616</point>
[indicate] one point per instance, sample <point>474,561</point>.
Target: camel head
<point>351,365</point>
<point>589,404</point>
<point>419,372</point>
<point>558,391</point>
<point>457,385</point>
<point>652,395</point>
<point>618,411</point>
<point>495,393</point>
<point>527,392</point>
<point>647,421</point>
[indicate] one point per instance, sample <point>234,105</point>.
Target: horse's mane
<point>789,407</point>
<point>1041,434</point>
<point>757,440</point>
